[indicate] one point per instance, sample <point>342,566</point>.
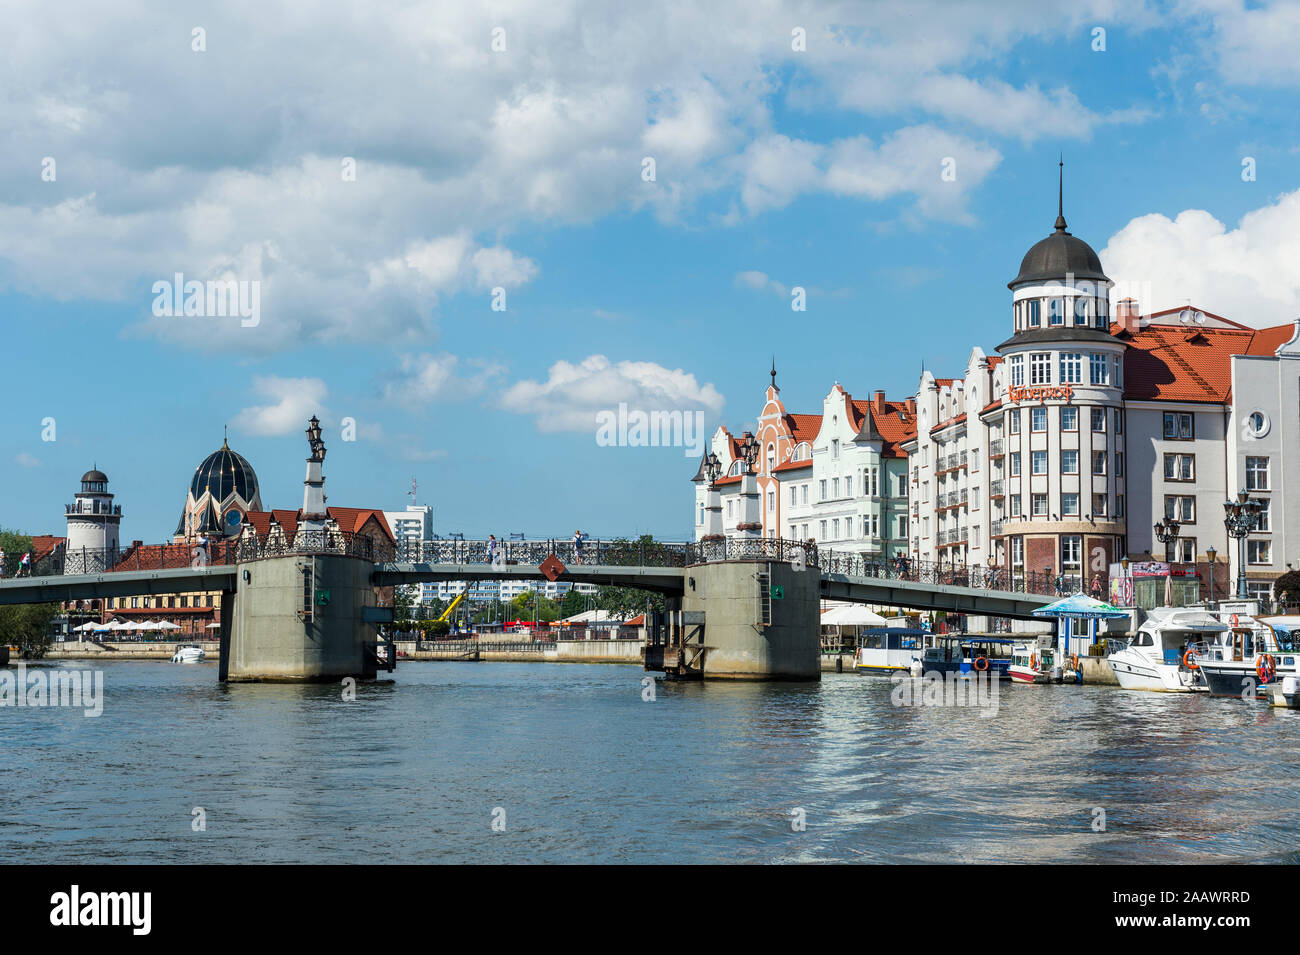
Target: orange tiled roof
<point>896,425</point>
<point>956,419</point>
<point>45,544</point>
<point>1178,363</point>
<point>793,465</point>
<point>803,427</point>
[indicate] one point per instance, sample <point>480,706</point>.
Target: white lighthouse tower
<point>93,521</point>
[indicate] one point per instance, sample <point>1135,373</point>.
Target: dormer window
<point>1035,313</point>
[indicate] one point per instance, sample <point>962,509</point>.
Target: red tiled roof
<point>349,519</point>
<point>733,479</point>
<point>793,465</point>
<point>45,544</point>
<point>1178,363</point>
<point>803,427</point>
<point>896,425</point>
<point>958,419</point>
<point>991,406</point>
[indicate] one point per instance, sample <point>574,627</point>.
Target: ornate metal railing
<point>956,575</point>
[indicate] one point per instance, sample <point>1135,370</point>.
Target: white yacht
<point>1253,654</point>
<point>1163,654</point>
<point>189,654</point>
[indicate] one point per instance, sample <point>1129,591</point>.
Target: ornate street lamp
<point>712,468</point>
<point>1167,531</point>
<point>313,439</point>
<point>1240,517</point>
<point>749,451</point>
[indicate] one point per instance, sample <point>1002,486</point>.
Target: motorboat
<point>1035,663</point>
<point>189,654</point>
<point>1163,655</point>
<point>970,655</point>
<point>1250,656</point>
<point>884,651</point>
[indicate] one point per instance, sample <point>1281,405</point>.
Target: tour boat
<point>888,650</point>
<point>1031,663</point>
<point>967,656</point>
<point>1163,655</point>
<point>1250,656</point>
<point>190,654</point>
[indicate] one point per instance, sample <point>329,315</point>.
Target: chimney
<point>911,407</point>
<point>1126,314</point>
<point>879,401</point>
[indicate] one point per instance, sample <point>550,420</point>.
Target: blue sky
<point>521,169</point>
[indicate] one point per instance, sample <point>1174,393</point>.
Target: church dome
<point>1059,255</point>
<point>223,473</point>
<point>94,476</point>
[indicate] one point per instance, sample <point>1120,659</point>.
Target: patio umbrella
<point>852,616</point>
<point>168,625</point>
<point>86,626</point>
<point>1080,606</point>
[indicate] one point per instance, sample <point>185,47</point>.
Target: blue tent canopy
<point>1081,606</point>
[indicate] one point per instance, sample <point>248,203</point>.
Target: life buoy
<point>1074,660</point>
<point>1265,668</point>
<point>1189,659</point>
<point>1033,661</point>
<point>981,663</point>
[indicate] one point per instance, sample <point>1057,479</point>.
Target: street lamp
<point>1211,553</point>
<point>1240,517</point>
<point>712,468</point>
<point>749,451</point>
<point>1167,532</point>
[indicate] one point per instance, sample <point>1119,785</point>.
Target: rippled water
<point>587,771</point>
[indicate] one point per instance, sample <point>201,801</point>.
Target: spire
<point>224,438</point>
<point>1060,196</point>
<point>773,371</point>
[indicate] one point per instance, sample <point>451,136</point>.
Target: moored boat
<point>887,650</point>
<point>1163,655</point>
<point>1249,657</point>
<point>1032,663</point>
<point>188,654</point>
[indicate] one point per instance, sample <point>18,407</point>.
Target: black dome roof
<point>1058,255</point>
<point>223,472</point>
<point>94,475</point>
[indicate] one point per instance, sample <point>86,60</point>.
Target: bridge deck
<point>668,580</point>
<point>124,583</point>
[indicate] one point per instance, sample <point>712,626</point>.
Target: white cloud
<point>425,378</point>
<point>23,459</point>
<point>573,394</point>
<point>291,401</point>
<point>760,282</point>
<point>1246,274</point>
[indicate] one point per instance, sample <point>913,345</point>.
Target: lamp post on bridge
<point>1211,553</point>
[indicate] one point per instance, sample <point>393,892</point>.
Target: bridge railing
<point>192,554</point>
<point>954,575</point>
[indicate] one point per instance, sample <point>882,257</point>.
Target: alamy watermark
<point>215,298</point>
<point>651,429</point>
<point>947,689</point>
<point>83,689</point>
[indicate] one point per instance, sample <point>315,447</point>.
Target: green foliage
<point>14,544</point>
<point>521,607</point>
<point>625,602</point>
<point>573,604</point>
<point>27,627</point>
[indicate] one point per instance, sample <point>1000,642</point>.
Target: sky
<point>466,234</point>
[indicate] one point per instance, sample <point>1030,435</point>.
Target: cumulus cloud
<point>760,282</point>
<point>424,378</point>
<point>573,394</point>
<point>1246,274</point>
<point>177,161</point>
<point>289,403</point>
<point>23,459</point>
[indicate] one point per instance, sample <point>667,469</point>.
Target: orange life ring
<point>1033,661</point>
<point>1189,659</point>
<point>1265,669</point>
<point>1074,661</point>
<point>981,663</point>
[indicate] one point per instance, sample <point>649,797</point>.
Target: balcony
<point>995,489</point>
<point>995,529</point>
<point>995,448</point>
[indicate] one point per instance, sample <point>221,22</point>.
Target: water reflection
<point>585,770</point>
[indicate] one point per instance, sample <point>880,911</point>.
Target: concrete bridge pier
<point>760,619</point>
<point>303,618</point>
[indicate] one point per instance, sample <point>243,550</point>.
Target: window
<point>823,531</point>
<point>1260,590</point>
<point>1070,505</point>
<point>821,490</point>
<point>1099,505</point>
<point>1099,462</point>
<point>1071,553</point>
<point>1262,518</point>
<point>1015,505</point>
<point>835,487</point>
<point>1098,370</point>
<point>1071,368</point>
<point>1038,419</point>
<point>1069,418</point>
<point>848,486</point>
<point>975,498</point>
<point>803,493</point>
<point>729,503</point>
<point>1069,462</point>
<point>1013,422</point>
<point>1081,311</point>
<point>1035,313</point>
<point>1180,467</point>
<point>1178,427</point>
<point>1017,371</point>
<point>1056,311</point>
<point>1119,464</point>
<point>902,485</point>
<point>1181,508</point>
<point>835,529</point>
<point>1116,372</point>
<point>1015,463</point>
<point>835,449</point>
<point>1040,368</point>
<point>1039,459</point>
<point>1119,505</point>
<point>1259,552</point>
<point>700,518</point>
<point>1040,505</point>
<point>771,502</point>
<point>902,526</point>
<point>870,525</point>
<point>771,457</point>
<point>1018,551</point>
<point>1256,474</point>
<point>1182,550</point>
<point>794,495</point>
<point>1098,419</point>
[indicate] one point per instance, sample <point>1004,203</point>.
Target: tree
<point>27,626</point>
<point>402,605</point>
<point>521,607</point>
<point>573,604</point>
<point>625,602</point>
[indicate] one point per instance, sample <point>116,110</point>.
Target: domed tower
<point>93,523</point>
<point>223,490</point>
<point>1064,420</point>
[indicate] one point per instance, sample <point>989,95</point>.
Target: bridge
<point>655,566</point>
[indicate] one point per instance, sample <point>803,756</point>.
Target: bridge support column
<point>300,619</point>
<point>760,619</point>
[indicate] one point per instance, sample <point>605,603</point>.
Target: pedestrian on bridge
<point>492,549</point>
<point>577,546</point>
<point>2,562</point>
<point>25,565</point>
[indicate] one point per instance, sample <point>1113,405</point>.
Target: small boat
<point>1249,657</point>
<point>1162,656</point>
<point>887,650</point>
<point>1032,663</point>
<point>967,656</point>
<point>188,654</point>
